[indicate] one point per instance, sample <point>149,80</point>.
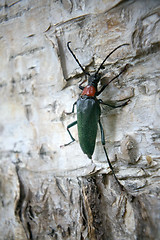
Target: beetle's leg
<point>69,126</point>
<point>102,89</point>
<point>103,144</point>
<point>80,85</point>
<point>72,109</point>
<point>113,105</point>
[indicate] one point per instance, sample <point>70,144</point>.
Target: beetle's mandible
<point>89,111</point>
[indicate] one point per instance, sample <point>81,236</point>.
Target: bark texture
<point>52,192</point>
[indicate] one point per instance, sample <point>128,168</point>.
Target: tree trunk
<point>52,191</point>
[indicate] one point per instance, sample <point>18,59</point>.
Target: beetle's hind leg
<point>103,144</point>
<point>69,126</point>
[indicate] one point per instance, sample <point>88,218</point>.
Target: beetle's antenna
<point>76,59</point>
<point>102,89</point>
<point>125,44</point>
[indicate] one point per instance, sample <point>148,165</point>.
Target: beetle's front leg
<point>114,104</point>
<point>80,85</point>
<point>69,126</point>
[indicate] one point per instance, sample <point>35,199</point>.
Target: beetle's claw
<point>68,113</point>
<point>64,145</point>
<point>128,101</point>
<point>125,103</point>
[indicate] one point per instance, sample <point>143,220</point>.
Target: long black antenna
<point>125,44</point>
<point>102,89</point>
<point>76,59</point>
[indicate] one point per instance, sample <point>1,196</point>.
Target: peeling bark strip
<point>53,193</point>
<point>92,204</point>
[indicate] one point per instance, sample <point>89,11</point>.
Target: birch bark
<point>49,192</point>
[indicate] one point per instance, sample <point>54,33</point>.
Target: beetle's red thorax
<point>89,91</point>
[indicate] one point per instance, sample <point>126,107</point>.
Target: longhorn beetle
<point>89,111</point>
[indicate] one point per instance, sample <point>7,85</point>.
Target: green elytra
<point>88,116</point>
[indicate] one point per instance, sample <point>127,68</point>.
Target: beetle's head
<point>94,79</point>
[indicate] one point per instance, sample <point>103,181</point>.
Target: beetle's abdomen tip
<point>89,156</point>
